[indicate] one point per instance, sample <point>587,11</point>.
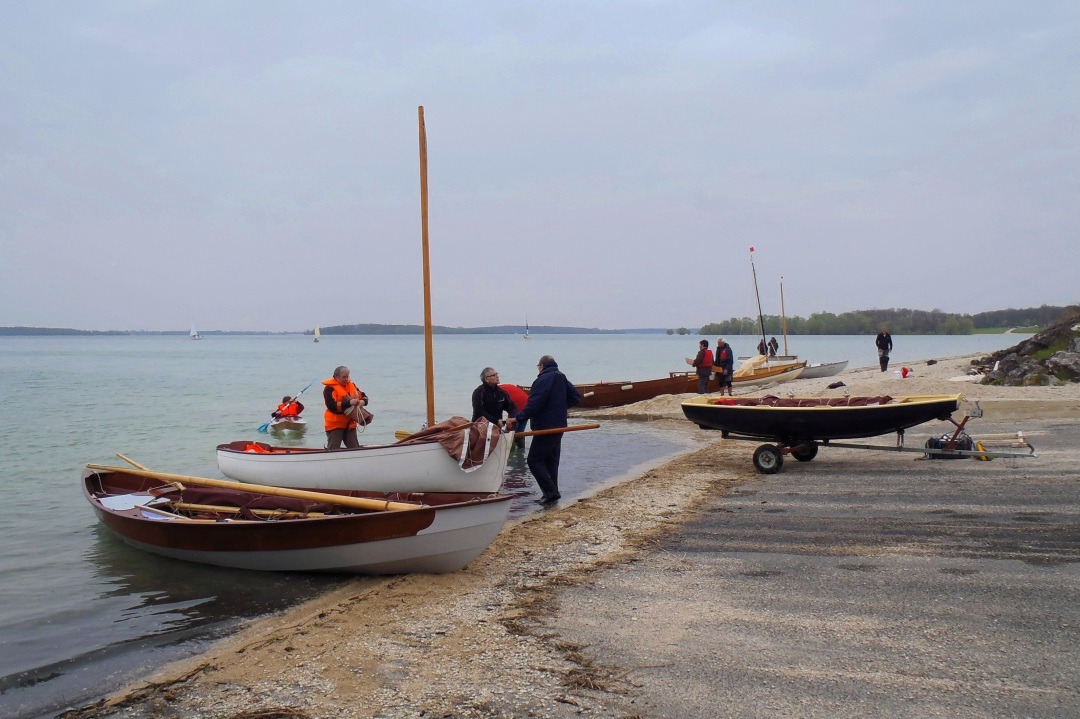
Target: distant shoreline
<point>403,330</point>
<point>325,331</point>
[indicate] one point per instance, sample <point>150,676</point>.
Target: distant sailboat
<point>317,335</point>
<point>526,335</point>
<point>194,333</point>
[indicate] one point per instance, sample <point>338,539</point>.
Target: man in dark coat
<point>489,400</point>
<point>550,396</point>
<point>724,364</point>
<point>884,347</point>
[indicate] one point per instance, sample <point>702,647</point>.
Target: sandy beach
<point>598,607</point>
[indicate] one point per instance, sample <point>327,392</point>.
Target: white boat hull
<point>823,370</point>
<point>294,424</point>
<point>386,468</point>
<point>752,381</point>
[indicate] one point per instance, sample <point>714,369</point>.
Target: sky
<point>254,164</point>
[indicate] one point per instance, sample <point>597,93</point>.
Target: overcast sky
<point>254,165</point>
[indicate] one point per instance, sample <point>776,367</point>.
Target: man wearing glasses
<point>490,400</point>
<point>550,397</point>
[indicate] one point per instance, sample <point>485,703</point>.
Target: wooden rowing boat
<point>436,533</point>
<point>420,463</point>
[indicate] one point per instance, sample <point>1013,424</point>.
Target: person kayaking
<point>288,408</point>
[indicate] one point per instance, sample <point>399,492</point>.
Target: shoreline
<point>427,645</point>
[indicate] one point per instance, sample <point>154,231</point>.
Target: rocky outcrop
<point>1051,357</point>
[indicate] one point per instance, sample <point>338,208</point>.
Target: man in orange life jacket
<point>703,362</point>
<point>288,408</point>
<point>340,396</point>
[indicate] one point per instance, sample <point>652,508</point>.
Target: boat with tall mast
<point>317,333</point>
<point>194,334</point>
<point>526,335</point>
<point>417,463</point>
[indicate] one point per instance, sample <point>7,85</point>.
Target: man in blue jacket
<point>550,396</point>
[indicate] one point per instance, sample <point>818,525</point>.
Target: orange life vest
<point>292,410</point>
<point>333,420</point>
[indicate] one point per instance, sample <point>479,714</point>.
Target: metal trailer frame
<point>769,458</point>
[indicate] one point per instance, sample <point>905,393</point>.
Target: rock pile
<point>1051,357</point>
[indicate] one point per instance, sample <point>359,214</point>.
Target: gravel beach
<point>859,584</point>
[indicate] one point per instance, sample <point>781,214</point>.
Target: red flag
<point>751,249</point>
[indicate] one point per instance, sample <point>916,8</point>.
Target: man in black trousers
<point>550,396</point>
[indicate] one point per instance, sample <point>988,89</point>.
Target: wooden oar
<point>556,430</point>
<point>377,505</point>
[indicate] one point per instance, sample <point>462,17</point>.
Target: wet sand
<point>859,584</point>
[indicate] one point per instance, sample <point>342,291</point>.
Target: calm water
<point>80,611</point>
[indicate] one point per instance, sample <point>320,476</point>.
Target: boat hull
<point>616,394</point>
<point>792,424</point>
<point>288,424</point>
<point>422,467</point>
<point>827,369</point>
<point>442,535</point>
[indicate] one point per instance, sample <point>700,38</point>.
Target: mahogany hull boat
<point>617,394</point>
<point>792,420</point>
<point>443,533</point>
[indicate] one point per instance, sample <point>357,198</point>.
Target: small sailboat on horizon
<point>526,335</point>
<point>194,333</point>
<point>317,333</point>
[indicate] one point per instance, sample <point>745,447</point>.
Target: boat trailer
<point>769,458</point>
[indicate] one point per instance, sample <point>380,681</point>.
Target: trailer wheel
<point>805,451</point>
<point>768,459</point>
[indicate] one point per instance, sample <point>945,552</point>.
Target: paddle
<point>402,434</point>
<point>556,430</point>
<point>266,427</point>
<point>377,505</point>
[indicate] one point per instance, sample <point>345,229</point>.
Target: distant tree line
<point>899,321</point>
<point>374,329</point>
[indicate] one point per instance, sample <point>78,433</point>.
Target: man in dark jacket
<point>884,348</point>
<point>489,400</point>
<point>724,364</point>
<point>550,397</point>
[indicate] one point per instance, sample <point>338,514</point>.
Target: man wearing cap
<point>550,396</point>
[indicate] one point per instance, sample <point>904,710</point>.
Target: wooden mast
<point>429,374</point>
<point>783,314</point>
<point>761,319</point>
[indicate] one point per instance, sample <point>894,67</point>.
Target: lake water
<point>80,612</point>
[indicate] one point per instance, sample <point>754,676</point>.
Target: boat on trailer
<point>426,532</point>
<point>799,425</point>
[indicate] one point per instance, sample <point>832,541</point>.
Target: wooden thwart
<point>377,505</point>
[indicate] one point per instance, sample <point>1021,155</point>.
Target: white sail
<point>317,334</point>
<point>194,333</point>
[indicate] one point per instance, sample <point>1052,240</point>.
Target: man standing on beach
<point>884,347</point>
<point>724,365</point>
<point>703,364</point>
<point>550,396</point>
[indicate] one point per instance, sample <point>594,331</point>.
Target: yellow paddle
<point>377,505</point>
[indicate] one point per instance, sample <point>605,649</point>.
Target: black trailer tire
<point>768,459</point>
<point>805,452</point>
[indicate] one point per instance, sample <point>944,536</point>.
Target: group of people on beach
<point>545,405</point>
<point>708,364</point>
